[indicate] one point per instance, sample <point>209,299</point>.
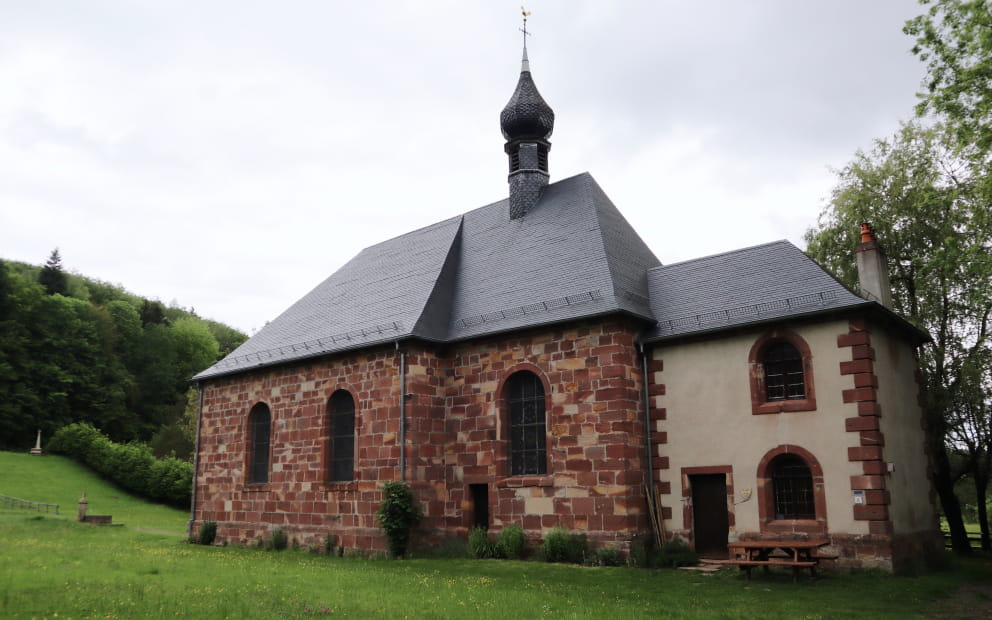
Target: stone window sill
<point>526,481</point>
<point>797,526</point>
<point>343,485</point>
<point>782,406</point>
<point>257,487</point>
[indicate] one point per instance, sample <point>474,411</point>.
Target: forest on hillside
<point>75,349</point>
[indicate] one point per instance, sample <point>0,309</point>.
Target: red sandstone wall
<point>454,431</point>
<point>595,432</point>
<point>297,496</point>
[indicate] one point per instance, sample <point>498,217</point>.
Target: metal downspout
<point>402,412</point>
<point>647,416</point>
<point>196,462</point>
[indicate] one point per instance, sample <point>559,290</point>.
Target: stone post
<point>37,445</point>
<point>81,515</point>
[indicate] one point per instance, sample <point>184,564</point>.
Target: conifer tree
<point>52,277</point>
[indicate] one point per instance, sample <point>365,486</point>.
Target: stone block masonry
<point>456,438</point>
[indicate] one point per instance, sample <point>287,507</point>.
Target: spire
<point>525,64</point>
<point>526,122</point>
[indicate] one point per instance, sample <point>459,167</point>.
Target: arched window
<point>341,418</point>
<point>791,493</point>
<point>792,484</point>
<point>524,394</point>
<point>783,372</point>
<point>259,431</point>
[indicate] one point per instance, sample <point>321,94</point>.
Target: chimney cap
<point>867,233</point>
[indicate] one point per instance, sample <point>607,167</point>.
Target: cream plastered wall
<point>709,421</point>
<point>908,483</point>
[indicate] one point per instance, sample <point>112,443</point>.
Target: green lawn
<point>57,480</point>
<point>54,565</point>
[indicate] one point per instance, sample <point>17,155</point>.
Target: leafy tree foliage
<point>930,208</point>
<point>954,39</point>
<point>98,355</point>
<point>52,277</point>
<point>152,313</point>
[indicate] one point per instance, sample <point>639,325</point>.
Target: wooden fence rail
<point>975,540</point>
<point>17,502</point>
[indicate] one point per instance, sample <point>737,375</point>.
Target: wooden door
<point>710,524</point>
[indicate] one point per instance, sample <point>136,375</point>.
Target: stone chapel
<point>532,362</point>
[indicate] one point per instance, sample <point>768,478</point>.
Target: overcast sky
<point>229,156</point>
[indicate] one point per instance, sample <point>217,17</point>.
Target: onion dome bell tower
<point>527,122</point>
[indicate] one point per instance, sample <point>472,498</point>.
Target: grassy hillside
<point>55,567</point>
<point>58,480</point>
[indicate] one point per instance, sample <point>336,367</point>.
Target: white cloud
<point>232,155</point>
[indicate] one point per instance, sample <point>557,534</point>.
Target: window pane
<point>342,420</point>
<point>260,429</point>
<point>793,489</point>
<point>527,433</point>
<point>784,378</point>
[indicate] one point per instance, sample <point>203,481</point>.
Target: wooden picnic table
<point>795,554</point>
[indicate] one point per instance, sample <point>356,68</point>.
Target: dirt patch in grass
<point>972,600</point>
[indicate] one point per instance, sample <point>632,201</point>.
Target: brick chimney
<point>873,268</point>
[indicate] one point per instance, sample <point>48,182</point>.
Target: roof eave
<point>917,336</point>
<point>201,377</point>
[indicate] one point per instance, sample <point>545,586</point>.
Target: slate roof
<point>571,256</point>
<point>527,115</point>
<point>745,287</point>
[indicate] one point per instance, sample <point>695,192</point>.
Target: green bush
<point>644,553</point>
<point>609,556</point>
<point>482,547</point>
<point>578,549</point>
<point>278,541</point>
<point>560,546</point>
<point>207,533</point>
<point>329,544</point>
<point>73,440</point>
<point>677,552</point>
<point>397,514</point>
<point>556,544</point>
<point>513,542</point>
<point>132,465</point>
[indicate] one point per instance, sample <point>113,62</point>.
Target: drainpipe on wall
<point>196,462</point>
<point>402,412</point>
<point>647,416</point>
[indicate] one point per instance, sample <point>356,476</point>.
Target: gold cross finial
<point>526,14</point>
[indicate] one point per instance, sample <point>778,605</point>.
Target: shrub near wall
<point>131,465</point>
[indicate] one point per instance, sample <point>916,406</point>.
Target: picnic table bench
<point>796,554</point>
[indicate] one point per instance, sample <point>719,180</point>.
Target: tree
<point>930,207</point>
<point>954,39</point>
<point>153,313</point>
<point>18,401</point>
<point>971,433</point>
<point>52,277</point>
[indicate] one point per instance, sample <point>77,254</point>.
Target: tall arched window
<point>524,394</point>
<point>784,377</point>
<point>341,417</point>
<point>259,431</point>
<point>792,483</point>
